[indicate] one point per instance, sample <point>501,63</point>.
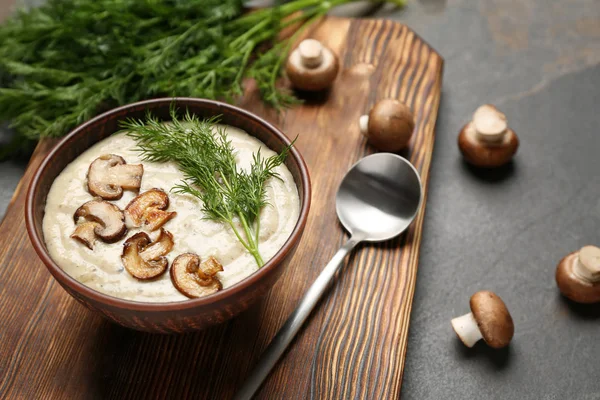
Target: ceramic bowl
<point>193,314</point>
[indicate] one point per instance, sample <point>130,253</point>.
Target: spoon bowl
<point>379,197</point>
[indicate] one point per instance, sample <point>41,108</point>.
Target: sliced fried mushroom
<point>195,279</point>
<point>109,175</point>
<point>149,208</point>
<point>100,219</point>
<point>85,233</point>
<point>145,259</point>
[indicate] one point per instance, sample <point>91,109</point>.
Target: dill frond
<point>67,60</point>
<point>207,159</point>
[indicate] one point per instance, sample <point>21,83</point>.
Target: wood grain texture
<point>353,346</point>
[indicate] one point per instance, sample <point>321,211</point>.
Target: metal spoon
<point>377,200</point>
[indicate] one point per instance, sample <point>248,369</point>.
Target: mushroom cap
<point>493,319</point>
<point>391,125</point>
<point>194,279</point>
<point>109,174</point>
<point>144,259</point>
<point>106,220</point>
<point>305,72</point>
<point>571,284</point>
<point>484,154</point>
<point>148,208</point>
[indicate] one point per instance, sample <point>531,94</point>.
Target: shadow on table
<point>490,175</point>
<point>581,311</point>
<point>499,359</point>
<point>313,98</point>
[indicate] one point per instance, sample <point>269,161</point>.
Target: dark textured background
<point>539,62</point>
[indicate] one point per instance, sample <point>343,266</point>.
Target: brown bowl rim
<point>250,280</point>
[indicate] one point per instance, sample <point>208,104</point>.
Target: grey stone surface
<point>539,62</point>
<point>505,231</point>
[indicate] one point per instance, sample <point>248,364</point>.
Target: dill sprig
<point>206,157</point>
<point>68,60</point>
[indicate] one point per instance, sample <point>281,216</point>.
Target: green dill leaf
<point>67,60</point>
<point>202,151</point>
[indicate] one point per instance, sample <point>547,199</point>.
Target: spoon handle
<point>293,324</point>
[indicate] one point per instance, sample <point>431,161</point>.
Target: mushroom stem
<point>587,266</point>
<point>466,329</point>
<point>311,53</point>
<point>363,123</point>
<point>490,124</point>
<point>490,138</point>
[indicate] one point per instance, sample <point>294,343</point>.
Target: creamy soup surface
<point>101,269</point>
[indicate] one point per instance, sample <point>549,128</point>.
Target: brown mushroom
<point>487,141</point>
<point>312,66</point>
<point>389,125</point>
<point>489,319</point>
<point>109,175</point>
<point>149,208</point>
<point>578,275</point>
<point>144,259</point>
<point>100,219</point>
<point>195,279</point>
<point>86,233</point>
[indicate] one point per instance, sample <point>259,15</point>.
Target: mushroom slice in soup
<point>149,208</point>
<point>145,259</point>
<point>195,279</point>
<point>101,219</point>
<point>109,175</point>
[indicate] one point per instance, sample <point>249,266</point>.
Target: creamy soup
<point>102,269</point>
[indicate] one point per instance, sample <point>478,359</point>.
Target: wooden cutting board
<point>353,346</point>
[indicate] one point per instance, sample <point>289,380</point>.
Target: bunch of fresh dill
<point>67,60</point>
<point>206,157</point>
